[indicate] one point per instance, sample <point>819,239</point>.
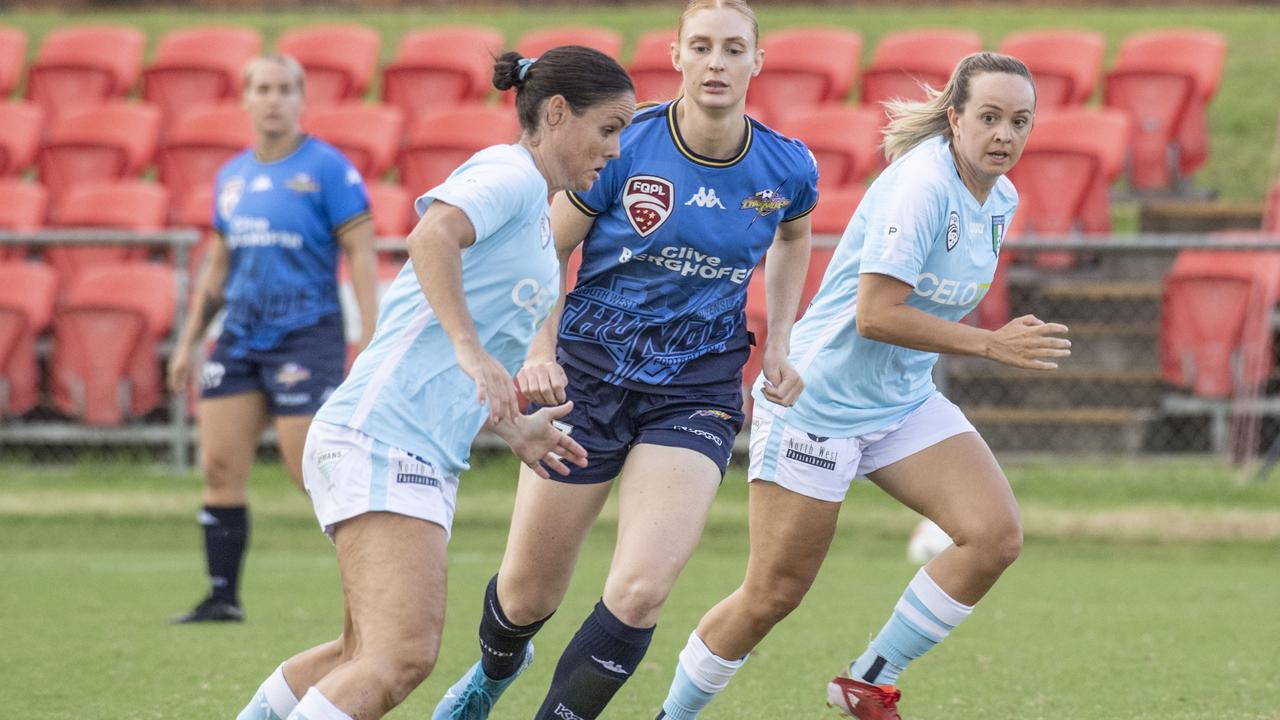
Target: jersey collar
<point>674,127</point>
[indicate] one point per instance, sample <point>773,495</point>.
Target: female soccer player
<point>651,347</point>
<point>284,209</point>
<point>916,259</point>
<point>382,459</point>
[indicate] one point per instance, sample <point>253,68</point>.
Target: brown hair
<point>911,123</point>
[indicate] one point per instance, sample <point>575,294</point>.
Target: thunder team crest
<point>647,200</point>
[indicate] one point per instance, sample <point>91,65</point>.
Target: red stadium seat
<point>1215,324</point>
<point>392,209</point>
<point>198,66</point>
<point>114,140</point>
<point>20,126</point>
<point>844,139</point>
<point>79,67</point>
<point>836,206</point>
<point>1271,210</point>
<point>904,59</point>
<point>1064,174</point>
<point>339,60</point>
<point>651,70</point>
<point>23,206</point>
<point>105,366</point>
<point>804,67</point>
<point>439,143</point>
<point>1065,63</point>
<point>200,143</point>
<point>369,135</point>
<point>441,67</point>
<point>27,292</point>
<point>196,211</point>
<point>536,42</point>
<point>1164,80</point>
<point>13,53</point>
<point>121,205</point>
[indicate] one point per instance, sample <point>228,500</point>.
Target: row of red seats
<point>106,325</point>
<point>1163,79</point>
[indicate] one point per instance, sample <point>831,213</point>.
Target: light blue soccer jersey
<point>281,222</point>
<point>406,388</point>
<point>917,223</point>
<point>659,301</point>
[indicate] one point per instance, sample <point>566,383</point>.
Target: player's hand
<point>178,372</point>
<point>537,442</point>
<point>493,383</point>
<point>1029,342</point>
<point>543,381</point>
<point>782,384</point>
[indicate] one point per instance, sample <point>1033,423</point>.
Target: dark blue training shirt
<point>659,303</point>
<point>281,222</point>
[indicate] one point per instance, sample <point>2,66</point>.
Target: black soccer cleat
<point>211,610</point>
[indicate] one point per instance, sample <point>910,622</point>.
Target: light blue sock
<point>923,617</point>
<point>315,706</point>
<point>273,701</point>
<point>700,676</point>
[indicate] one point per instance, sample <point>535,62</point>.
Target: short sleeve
<point>490,194</point>
<point>806,194</point>
<point>901,229</point>
<point>343,192</point>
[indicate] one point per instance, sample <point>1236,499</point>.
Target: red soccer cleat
<point>862,700</point>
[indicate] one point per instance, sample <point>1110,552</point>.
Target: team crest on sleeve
<point>765,202</point>
<point>302,183</point>
<point>997,233</point>
<point>229,196</point>
<point>953,230</point>
<point>647,200</point>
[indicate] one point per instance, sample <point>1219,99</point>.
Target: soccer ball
<point>927,540</point>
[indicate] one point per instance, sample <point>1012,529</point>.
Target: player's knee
<point>998,541</point>
<point>1006,546</point>
<point>772,601</point>
<point>637,601</point>
<point>222,474</point>
<point>402,669</point>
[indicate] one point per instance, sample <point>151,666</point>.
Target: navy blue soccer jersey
<point>281,222</point>
<point>659,303</point>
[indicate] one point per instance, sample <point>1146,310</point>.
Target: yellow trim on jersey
<point>352,221</point>
<point>701,159</point>
<point>806,212</point>
<point>586,210</point>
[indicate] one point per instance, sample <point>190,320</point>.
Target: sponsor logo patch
<point>565,713</point>
<point>717,414</point>
<point>647,200</point>
<point>953,229</point>
<point>705,198</point>
<point>291,373</point>
<point>700,433</point>
<point>765,202</point>
<point>417,471</point>
<point>811,454</point>
<point>997,233</point>
<point>302,183</point>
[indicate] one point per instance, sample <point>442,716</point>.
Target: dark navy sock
<point>598,660</point>
<point>226,533</point>
<point>502,642</point>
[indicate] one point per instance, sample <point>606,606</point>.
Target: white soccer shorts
<point>348,473</point>
<point>823,468</point>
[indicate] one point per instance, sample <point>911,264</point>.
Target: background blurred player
<point>651,347</point>
<point>916,258</point>
<point>383,457</point>
<point>283,210</point>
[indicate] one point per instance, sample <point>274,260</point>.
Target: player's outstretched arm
<point>536,441</point>
<point>883,315</point>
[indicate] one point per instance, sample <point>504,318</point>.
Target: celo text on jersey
<point>688,261</point>
<point>534,298</point>
<point>946,291</point>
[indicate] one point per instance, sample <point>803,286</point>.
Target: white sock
<point>273,701</point>
<point>710,672</point>
<point>315,706</point>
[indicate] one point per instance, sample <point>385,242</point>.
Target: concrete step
<point>1090,300</point>
<point>1104,429</point>
<point>1067,387</point>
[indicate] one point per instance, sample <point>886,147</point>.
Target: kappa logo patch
<point>647,200</point>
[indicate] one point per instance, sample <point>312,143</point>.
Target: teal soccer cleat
<point>474,695</point>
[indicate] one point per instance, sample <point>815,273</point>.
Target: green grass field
<point>1146,590</point>
<point>1242,118</point>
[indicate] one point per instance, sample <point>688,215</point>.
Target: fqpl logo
<point>647,200</point>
